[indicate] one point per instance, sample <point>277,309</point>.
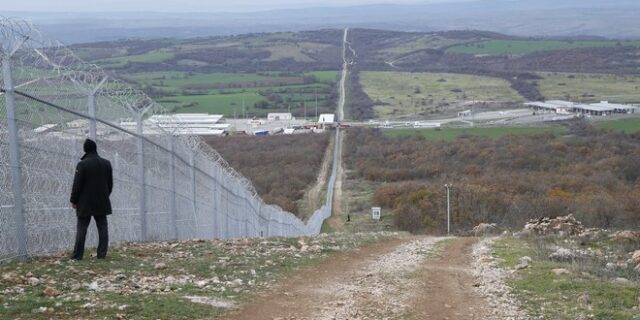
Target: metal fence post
<point>174,205</point>
<point>91,106</point>
<point>192,163</point>
<point>142,177</point>
<point>14,155</point>
<point>214,203</point>
<point>224,201</point>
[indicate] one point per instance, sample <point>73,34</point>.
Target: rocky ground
<point>553,269</point>
<point>157,280</point>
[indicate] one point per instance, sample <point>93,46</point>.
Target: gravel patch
<point>491,284</point>
<point>380,288</point>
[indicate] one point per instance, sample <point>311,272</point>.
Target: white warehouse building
<point>279,116</point>
<point>597,109</point>
<point>200,124</point>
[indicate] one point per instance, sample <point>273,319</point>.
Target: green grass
<point>418,42</point>
<point>625,125</point>
<point>495,47</point>
<point>226,104</point>
<point>590,88</point>
<point>151,57</point>
<point>449,134</point>
<point>180,97</point>
<point>401,94</point>
<point>549,296</point>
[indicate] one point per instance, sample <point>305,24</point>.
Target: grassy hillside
<point>494,47</point>
<point>227,93</point>
<point>450,134</point>
<point>589,88</point>
<point>397,94</point>
<point>625,125</point>
<point>286,51</point>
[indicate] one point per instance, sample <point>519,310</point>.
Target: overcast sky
<point>183,5</point>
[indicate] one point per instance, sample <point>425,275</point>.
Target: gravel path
<point>381,288</point>
<point>408,278</point>
<point>491,284</point>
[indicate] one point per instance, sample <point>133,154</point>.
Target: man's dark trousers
<point>81,235</point>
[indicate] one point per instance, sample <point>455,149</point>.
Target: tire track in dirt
<point>369,283</point>
<point>445,286</point>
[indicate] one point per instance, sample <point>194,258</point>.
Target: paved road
<point>345,72</point>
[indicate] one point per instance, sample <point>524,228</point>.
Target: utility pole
<point>244,110</point>
<point>448,186</point>
<point>316,103</point>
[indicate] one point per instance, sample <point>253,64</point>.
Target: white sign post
<point>375,213</point>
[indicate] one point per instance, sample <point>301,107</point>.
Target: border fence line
<point>166,186</point>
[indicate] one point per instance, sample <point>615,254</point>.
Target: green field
<point>590,88</point>
<point>418,42</point>
<point>400,94</point>
<point>495,47</point>
<point>151,57</point>
<point>626,125</point>
<point>449,134</point>
<point>226,93</point>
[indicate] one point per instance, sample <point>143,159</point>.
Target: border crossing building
<point>603,108</point>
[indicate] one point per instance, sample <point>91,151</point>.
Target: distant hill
<point>612,19</point>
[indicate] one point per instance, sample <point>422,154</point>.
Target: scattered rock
<point>485,229</point>
<point>217,303</point>
<point>563,226</point>
<point>562,255</point>
<point>610,266</point>
<point>93,286</point>
<point>523,263</point>
<point>584,299</point>
<point>88,305</point>
<point>33,281</point>
<point>485,260</point>
<point>51,292</point>
<point>160,266</point>
<point>593,234</point>
<point>11,277</point>
<point>635,258</point>
<point>235,283</point>
<point>622,281</point>
<point>625,236</point>
<point>561,271</point>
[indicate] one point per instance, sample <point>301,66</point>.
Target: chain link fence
<point>166,186</point>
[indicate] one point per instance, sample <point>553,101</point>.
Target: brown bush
<point>590,173</point>
<point>280,167</point>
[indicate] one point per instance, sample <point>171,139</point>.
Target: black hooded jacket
<point>92,186</point>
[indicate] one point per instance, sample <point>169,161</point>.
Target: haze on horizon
<point>191,5</point>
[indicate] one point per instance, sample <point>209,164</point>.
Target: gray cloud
<point>184,5</point>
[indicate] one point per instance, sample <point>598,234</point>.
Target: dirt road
<point>400,279</point>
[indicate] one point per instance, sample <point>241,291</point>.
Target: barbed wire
<point>168,186</point>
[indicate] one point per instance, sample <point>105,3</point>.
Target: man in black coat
<point>92,186</point>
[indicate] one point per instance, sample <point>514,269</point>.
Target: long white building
<point>201,124</point>
<point>596,109</point>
